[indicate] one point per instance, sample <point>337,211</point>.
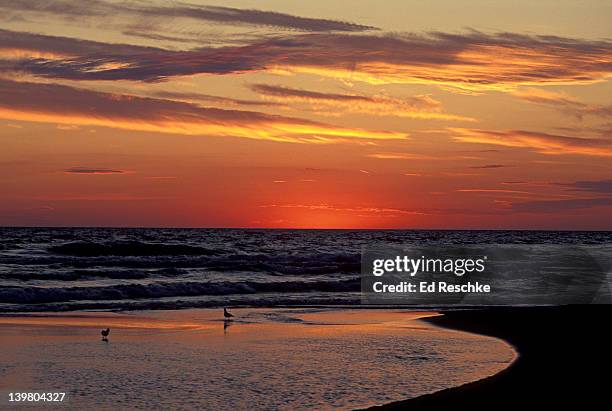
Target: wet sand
<point>564,360</point>
<point>265,359</point>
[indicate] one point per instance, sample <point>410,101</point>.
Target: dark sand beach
<point>564,360</point>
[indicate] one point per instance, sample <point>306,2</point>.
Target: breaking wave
<point>35,295</point>
<point>97,268</point>
<point>127,248</point>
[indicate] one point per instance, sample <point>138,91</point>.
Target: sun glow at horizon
<point>292,117</point>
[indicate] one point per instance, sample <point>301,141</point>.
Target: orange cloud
<point>472,61</point>
<point>210,99</point>
<point>9,53</point>
<point>361,210</point>
<point>400,156</point>
<point>490,190</point>
<point>420,106</point>
<point>541,142</point>
<point>564,102</point>
<point>67,105</point>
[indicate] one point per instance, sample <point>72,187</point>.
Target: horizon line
<point>304,228</point>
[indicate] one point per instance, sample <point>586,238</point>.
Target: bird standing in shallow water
<point>227,314</point>
<point>105,334</point>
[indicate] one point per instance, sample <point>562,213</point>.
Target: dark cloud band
<point>473,60</point>
<point>215,14</point>
<point>92,170</point>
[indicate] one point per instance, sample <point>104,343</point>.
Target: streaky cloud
<point>597,186</point>
<point>490,166</point>
<point>288,92</point>
<point>470,61</point>
<point>207,98</point>
<point>400,156</point>
<point>564,103</point>
<point>543,143</point>
<point>216,14</point>
<point>68,105</point>
<point>419,106</point>
<point>93,170</point>
<point>551,206</point>
<point>344,209</point>
<point>230,15</point>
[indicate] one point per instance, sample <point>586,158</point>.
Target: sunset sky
<point>306,114</point>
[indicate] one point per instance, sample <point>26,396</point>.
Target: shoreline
<point>562,359</point>
<point>181,358</point>
<point>561,352</point>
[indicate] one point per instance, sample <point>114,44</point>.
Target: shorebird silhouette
<point>105,334</point>
<point>227,314</point>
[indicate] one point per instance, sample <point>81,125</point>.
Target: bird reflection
<point>226,325</point>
